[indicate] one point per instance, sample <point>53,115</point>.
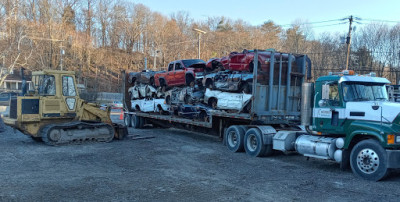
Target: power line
<point>329,25</point>
<point>378,20</point>
<point>318,22</point>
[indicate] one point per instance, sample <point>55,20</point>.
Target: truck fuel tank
<point>316,146</point>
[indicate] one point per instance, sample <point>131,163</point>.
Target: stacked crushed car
<point>190,88</point>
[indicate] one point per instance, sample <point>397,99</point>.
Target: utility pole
<point>348,42</point>
<point>199,32</point>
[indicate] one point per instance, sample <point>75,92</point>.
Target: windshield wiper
<point>380,98</point>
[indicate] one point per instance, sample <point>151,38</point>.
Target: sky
<point>285,12</point>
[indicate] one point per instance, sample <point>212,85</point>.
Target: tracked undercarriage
<point>76,132</point>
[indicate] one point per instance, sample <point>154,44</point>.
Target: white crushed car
<point>228,101</point>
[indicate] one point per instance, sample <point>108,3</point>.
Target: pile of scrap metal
<point>220,84</point>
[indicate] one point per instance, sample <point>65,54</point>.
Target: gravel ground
<point>172,165</point>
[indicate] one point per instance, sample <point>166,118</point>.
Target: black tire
<point>254,145</point>
<point>127,120</point>
<point>209,84</point>
<point>135,121</point>
<point>234,138</point>
<point>163,85</point>
<point>368,160</point>
<point>203,116</point>
<point>212,102</point>
<point>190,80</point>
<point>245,88</point>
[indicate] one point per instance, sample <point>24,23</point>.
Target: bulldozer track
<point>76,133</point>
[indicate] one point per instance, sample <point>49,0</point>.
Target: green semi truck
<point>342,117</point>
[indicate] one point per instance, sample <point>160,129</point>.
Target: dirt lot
<point>175,165</point>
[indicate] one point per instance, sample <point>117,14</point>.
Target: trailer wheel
<point>253,143</point>
<point>127,120</point>
<point>234,138</point>
<point>368,160</point>
<point>135,121</point>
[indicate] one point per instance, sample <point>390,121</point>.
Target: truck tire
<point>253,144</point>
<point>368,160</point>
<point>234,138</point>
<point>127,120</point>
<point>135,121</point>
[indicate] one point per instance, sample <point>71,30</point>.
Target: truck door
<point>330,110</point>
<point>169,76</point>
<point>179,74</point>
<point>69,96</point>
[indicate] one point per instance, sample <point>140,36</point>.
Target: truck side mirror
<point>325,96</point>
<point>325,92</point>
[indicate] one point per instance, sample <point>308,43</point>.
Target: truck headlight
<point>398,139</point>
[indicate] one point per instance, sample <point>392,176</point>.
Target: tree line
<point>100,38</point>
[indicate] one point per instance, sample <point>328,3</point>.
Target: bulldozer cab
<point>57,93</point>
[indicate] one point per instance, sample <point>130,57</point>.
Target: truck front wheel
<point>234,138</point>
<point>368,160</point>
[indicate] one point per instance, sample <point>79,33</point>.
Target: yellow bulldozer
<point>52,112</point>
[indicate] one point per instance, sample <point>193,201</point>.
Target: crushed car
<point>239,102</point>
<point>142,91</point>
<point>187,95</point>
<point>144,77</point>
<point>197,112</point>
<point>229,81</point>
<point>244,61</point>
<point>150,105</point>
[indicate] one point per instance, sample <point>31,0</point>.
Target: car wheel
<point>245,88</point>
<point>209,84</point>
<point>212,102</point>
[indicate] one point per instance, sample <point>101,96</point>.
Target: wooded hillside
<point>99,38</point>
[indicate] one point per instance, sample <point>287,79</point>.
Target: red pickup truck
<point>181,72</point>
<point>243,61</point>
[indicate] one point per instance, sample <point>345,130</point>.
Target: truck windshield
<point>362,91</point>
<point>188,63</point>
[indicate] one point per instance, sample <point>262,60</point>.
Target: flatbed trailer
<point>323,119</point>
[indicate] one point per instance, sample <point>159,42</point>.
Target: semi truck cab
<point>356,108</point>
